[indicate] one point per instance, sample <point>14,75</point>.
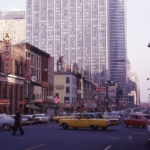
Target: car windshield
<point>26,117</point>
<point>39,115</point>
<point>62,115</point>
<point>7,117</point>
<point>146,117</point>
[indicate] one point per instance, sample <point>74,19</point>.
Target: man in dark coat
<point>17,123</point>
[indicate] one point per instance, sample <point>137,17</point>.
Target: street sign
<point>33,78</point>
<point>79,91</point>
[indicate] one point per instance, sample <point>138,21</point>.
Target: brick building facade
<point>12,85</point>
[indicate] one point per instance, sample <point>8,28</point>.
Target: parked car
<point>46,118</point>
<point>124,113</point>
<point>43,118</point>
<point>6,121</point>
<point>84,121</point>
<point>31,119</point>
<point>24,120</point>
<point>140,120</point>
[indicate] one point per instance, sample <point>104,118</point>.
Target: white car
<point>6,121</point>
<point>43,118</point>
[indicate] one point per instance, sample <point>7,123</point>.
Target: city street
<point>53,137</point>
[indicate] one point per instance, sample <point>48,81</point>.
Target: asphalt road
<point>53,137</point>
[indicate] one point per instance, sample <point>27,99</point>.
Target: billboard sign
<point>101,90</point>
<point>28,74</point>
<point>7,52</point>
<point>111,91</point>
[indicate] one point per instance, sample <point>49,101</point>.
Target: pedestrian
<point>17,123</point>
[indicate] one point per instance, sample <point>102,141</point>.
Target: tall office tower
<point>88,32</point>
<point>75,29</point>
<point>13,21</point>
<point>117,43</point>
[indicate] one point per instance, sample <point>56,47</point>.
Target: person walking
<point>17,123</point>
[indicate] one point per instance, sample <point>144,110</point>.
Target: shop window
<point>16,96</point>
<point>67,90</point>
<point>21,69</point>
<point>66,99</point>
<point>0,91</point>
<point>67,79</point>
<point>16,68</point>
<point>0,62</point>
<point>21,93</point>
<point>4,90</point>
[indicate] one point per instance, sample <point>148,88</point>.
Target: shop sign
<point>4,101</point>
<point>111,91</point>
<point>12,80</point>
<point>34,79</point>
<point>25,90</point>
<point>90,105</point>
<point>21,102</point>
<point>59,87</point>
<point>38,100</point>
<point>79,91</point>
<point>45,84</point>
<point>101,90</point>
<point>28,70</point>
<point>7,53</point>
<point>49,97</point>
<point>64,105</point>
<point>53,106</point>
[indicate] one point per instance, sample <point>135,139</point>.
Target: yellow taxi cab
<point>113,121</point>
<point>63,116</point>
<point>84,121</point>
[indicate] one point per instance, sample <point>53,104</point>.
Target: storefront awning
<point>34,107</point>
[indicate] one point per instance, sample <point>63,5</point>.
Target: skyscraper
<point>14,22</point>
<point>91,33</point>
<point>117,50</point>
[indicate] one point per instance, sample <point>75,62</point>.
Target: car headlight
<point>108,122</point>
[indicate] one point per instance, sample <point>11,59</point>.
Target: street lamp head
<point>148,45</point>
<point>45,69</point>
<point>147,78</point>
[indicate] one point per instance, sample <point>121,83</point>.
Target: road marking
<point>108,147</point>
<point>115,138</point>
<point>53,126</point>
<point>36,146</point>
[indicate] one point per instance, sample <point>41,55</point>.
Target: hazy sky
<point>138,37</point>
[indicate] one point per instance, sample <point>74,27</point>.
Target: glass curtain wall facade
<point>75,29</point>
<point>117,42</point>
<point>91,33</point>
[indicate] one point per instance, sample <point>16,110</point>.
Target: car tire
<point>65,126</point>
<point>75,128</point>
<point>126,125</point>
<point>31,123</point>
<point>6,126</point>
<point>140,126</point>
<point>95,127</point>
<point>104,128</point>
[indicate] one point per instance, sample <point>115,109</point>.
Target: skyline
<point>137,30</point>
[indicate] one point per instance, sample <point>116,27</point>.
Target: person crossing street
<point>17,123</point>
